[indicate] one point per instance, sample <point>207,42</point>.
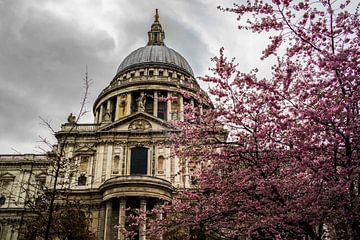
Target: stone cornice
<point>16,160</point>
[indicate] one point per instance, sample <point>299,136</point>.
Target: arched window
<point>138,163</point>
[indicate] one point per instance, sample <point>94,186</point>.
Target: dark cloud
<point>46,44</point>
<point>42,63</point>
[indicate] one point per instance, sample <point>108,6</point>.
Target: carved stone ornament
<point>107,116</point>
<point>140,125</point>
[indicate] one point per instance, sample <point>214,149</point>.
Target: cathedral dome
<point>155,54</point>
<point>144,78</point>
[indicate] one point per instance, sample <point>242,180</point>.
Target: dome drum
<point>122,104</point>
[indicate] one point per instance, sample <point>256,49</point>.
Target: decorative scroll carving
<point>140,125</point>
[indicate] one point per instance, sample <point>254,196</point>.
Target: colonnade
<point>109,228</point>
<point>127,97</point>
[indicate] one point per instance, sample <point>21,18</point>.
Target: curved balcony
<point>137,185</point>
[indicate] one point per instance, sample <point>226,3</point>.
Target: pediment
<point>85,149</point>
<point>41,175</point>
<point>137,122</point>
<point>7,176</point>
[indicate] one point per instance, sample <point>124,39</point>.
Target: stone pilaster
<point>181,110</point>
<point>168,107</point>
<point>155,113</point>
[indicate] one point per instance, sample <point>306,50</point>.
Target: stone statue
<point>107,116</point>
<point>71,119</point>
<point>141,102</point>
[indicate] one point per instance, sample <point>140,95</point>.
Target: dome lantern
<point>156,35</point>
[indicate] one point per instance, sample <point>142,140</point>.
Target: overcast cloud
<point>45,46</point>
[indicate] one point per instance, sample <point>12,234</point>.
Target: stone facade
<point>19,175</point>
<point>123,159</point>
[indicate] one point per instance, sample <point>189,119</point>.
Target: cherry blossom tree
<point>289,167</point>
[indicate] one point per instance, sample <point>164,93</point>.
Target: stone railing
<point>147,79</point>
<point>79,127</point>
<point>17,157</point>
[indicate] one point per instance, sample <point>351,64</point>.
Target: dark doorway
<point>138,164</point>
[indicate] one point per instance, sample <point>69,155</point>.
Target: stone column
<point>128,104</point>
<point>108,107</point>
<point>159,215</point>
<point>101,223</point>
<point>117,108</point>
<point>168,107</point>
<point>108,227</point>
<point>187,177</point>
<point>142,227</point>
<point>155,113</point>
<point>96,117</point>
<point>181,106</point>
<point>101,113</point>
<point>9,232</point>
<point>122,216</point>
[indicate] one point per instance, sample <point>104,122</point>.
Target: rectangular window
<point>138,164</point>
<point>82,180</point>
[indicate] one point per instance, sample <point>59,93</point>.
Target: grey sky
<point>46,44</point>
